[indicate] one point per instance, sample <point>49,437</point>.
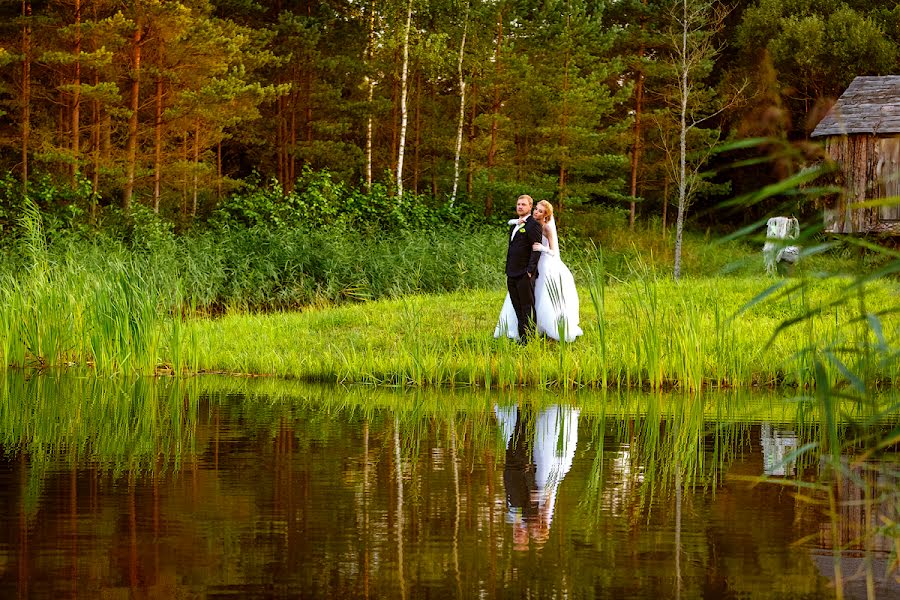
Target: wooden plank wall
<point>857,158</point>
<point>888,173</point>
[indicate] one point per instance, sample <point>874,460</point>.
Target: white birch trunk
<point>370,83</point>
<point>694,43</point>
<point>682,150</point>
<point>462,109</point>
<point>403,92</point>
<point>369,139</point>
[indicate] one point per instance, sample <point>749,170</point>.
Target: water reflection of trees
<point>167,477</point>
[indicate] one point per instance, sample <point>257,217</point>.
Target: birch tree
<point>404,85</point>
<point>462,105</point>
<point>695,24</point>
<point>370,82</point>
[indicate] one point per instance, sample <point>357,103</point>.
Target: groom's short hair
<point>527,197</point>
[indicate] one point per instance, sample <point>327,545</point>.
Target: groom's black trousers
<point>521,293</point>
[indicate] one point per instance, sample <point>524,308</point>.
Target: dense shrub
<point>318,200</point>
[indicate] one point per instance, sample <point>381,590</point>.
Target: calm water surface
<point>222,488</point>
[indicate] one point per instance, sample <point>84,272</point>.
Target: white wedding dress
<point>555,296</point>
<point>555,441</point>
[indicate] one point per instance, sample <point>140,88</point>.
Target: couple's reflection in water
<point>540,446</point>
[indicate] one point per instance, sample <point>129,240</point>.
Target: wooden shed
<point>862,135</point>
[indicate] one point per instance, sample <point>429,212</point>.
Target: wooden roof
<point>870,105</point>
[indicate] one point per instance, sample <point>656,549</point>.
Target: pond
<point>226,487</point>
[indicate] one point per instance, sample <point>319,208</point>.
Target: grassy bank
<point>645,333</point>
<point>419,308</point>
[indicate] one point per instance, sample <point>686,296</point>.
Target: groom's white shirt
<point>516,227</point>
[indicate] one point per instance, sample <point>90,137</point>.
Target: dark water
<point>241,489</point>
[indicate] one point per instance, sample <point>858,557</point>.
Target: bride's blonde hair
<point>548,210</point>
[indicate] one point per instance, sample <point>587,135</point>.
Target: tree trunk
<point>106,139</point>
<point>563,131</point>
<point>63,122</point>
<point>308,109</point>
<point>95,135</point>
<point>470,167</point>
<point>370,84</point>
<point>76,95</point>
<point>417,141</point>
<point>403,109</point>
<point>637,146</point>
<point>157,145</point>
<point>96,130</point>
<point>682,136</point>
<point>184,180</point>
<point>280,141</point>
<point>432,162</point>
<point>395,110</point>
<point>196,168</point>
<point>369,137</point>
<point>665,206</point>
<point>495,125</point>
<point>26,90</point>
<point>462,107</point>
<point>292,147</point>
<point>219,170</point>
<point>134,105</point>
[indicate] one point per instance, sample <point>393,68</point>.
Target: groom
<point>521,265</point>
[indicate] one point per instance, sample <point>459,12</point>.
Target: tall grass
<point>56,312</point>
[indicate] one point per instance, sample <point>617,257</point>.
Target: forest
<point>179,105</point>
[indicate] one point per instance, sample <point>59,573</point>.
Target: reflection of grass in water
<point>124,422</point>
<point>697,436</point>
<point>121,425</point>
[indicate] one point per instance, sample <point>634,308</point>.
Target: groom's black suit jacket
<point>520,258</point>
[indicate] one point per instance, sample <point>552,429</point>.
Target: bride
<point>555,296</point>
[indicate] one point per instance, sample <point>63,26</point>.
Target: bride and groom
<point>541,297</point>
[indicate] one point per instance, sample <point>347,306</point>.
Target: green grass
<point>653,333</point>
<point>649,332</point>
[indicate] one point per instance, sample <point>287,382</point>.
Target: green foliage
<point>319,200</point>
<point>817,46</point>
<point>62,207</point>
<point>148,231</point>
